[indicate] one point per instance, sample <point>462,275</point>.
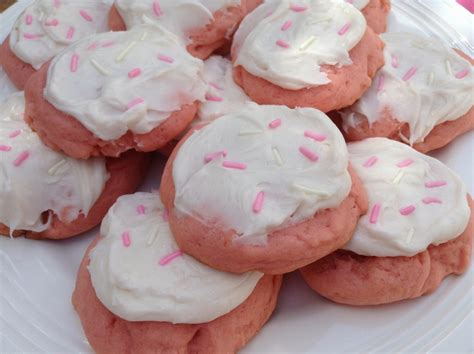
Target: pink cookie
<point>376,13</point>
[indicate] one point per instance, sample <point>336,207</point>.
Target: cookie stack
<point>294,133</point>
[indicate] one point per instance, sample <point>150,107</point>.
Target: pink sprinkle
<point>370,162</point>
<point>234,165</point>
<point>394,61</point>
<point>86,15</point>
<point>213,98</point>
<point>141,210</point>
<point>165,58</point>
<point>298,8</point>
<point>216,86</point>
<point>165,215</point>
<point>410,73</point>
<point>52,22</point>
<point>74,63</point>
<point>157,8</point>
<point>432,200</point>
<point>315,136</point>
<point>108,44</point>
<point>282,43</point>
<point>435,184</point>
<point>5,148</point>
<point>57,3</point>
<point>309,154</point>
<point>269,14</point>
<point>209,157</point>
<point>31,36</point>
<point>407,210</point>
<point>126,239</point>
<point>381,82</point>
<point>286,25</point>
<point>350,1</point>
<point>166,259</point>
<point>21,158</point>
<point>134,73</point>
<point>92,46</point>
<point>275,123</point>
<point>70,32</point>
<point>344,29</point>
<point>405,163</point>
<point>462,74</point>
<point>135,102</point>
<point>14,134</point>
<point>29,20</point>
<point>374,215</point>
<point>258,203</point>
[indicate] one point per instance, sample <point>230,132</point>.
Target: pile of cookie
<point>295,133</point>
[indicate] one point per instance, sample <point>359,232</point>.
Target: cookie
<point>422,95</point>
<point>45,194</point>
<point>375,12</point>
<point>419,229</point>
<point>306,54</point>
<point>116,91</point>
<point>267,188</point>
<point>203,26</point>
<point>46,28</point>
<point>136,292</point>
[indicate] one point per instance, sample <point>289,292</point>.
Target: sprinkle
<point>310,155</point>
<point>411,232</point>
<point>85,15</point>
<point>248,133</point>
<point>407,210</point>
<point>394,61</point>
<point>99,67</point>
<point>165,260</point>
<point>216,86</point>
<point>374,215</point>
<point>41,16</point>
<point>21,158</point>
<point>157,8</point>
<point>409,74</point>
<point>282,43</point>
<point>258,203</point>
<point>212,156</point>
<point>141,210</point>
<point>151,239</point>
<point>310,190</point>
<point>29,20</point>
<point>14,134</point>
<point>307,43</point>
<point>398,177</point>
<point>70,32</point>
<point>165,215</point>
<point>315,136</point>
<point>344,29</point>
<point>213,98</point>
<point>165,58</point>
<point>298,8</point>
<point>405,163</point>
<point>55,168</point>
<point>432,200</point>
<point>435,184</point>
<point>74,63</point>
<point>31,36</point>
<point>462,74</point>
<point>126,239</point>
<point>449,70</point>
<point>144,36</point>
<point>5,148</point>
<point>52,22</point>
<point>381,82</point>
<point>234,165</point>
<point>108,44</point>
<point>124,53</point>
<point>275,123</point>
<point>134,73</point>
<point>371,161</point>
<point>277,156</point>
<point>135,102</point>
<point>92,46</point>
<point>57,3</point>
<point>286,25</point>
<point>431,78</point>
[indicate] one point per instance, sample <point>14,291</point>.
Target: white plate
<point>37,278</point>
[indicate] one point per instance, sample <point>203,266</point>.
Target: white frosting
<point>422,202</point>
<point>178,16</point>
<point>294,186</point>
<point>48,26</point>
<point>134,284</point>
<point>288,47</point>
<point>35,179</point>
<point>101,94</point>
<point>432,95</point>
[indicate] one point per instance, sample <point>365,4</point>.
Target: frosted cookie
<point>422,95</point>
<point>202,25</point>
<point>310,53</point>
<point>374,11</point>
<point>116,91</point>
<point>419,229</point>
<point>46,28</point>
<point>267,188</point>
<point>159,299</point>
<point>45,194</point>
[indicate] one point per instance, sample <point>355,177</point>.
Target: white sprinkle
<point>54,169</point>
<point>277,156</point>
<point>411,232</point>
<point>152,237</point>
<point>99,67</point>
<point>398,177</point>
<point>247,133</point>
<point>431,78</point>
<point>144,35</point>
<point>310,190</point>
<point>320,19</point>
<point>449,70</point>
<point>307,43</point>
<point>127,50</point>
<point>41,16</point>
<point>404,138</point>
